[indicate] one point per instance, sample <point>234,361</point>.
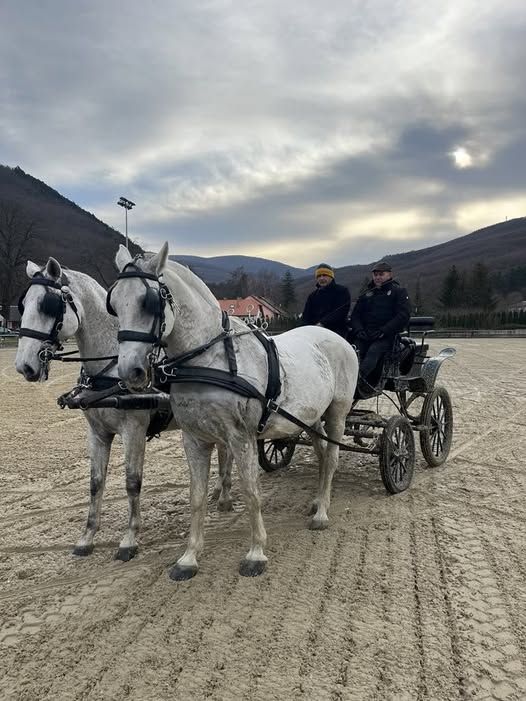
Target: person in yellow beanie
<point>328,305</point>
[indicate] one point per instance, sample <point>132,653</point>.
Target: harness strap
<point>211,376</point>
<point>100,381</point>
<point>273,378</point>
<point>62,358</point>
<point>33,333</point>
<point>293,419</point>
<point>175,371</point>
<point>229,345</point>
<point>223,336</point>
<point>136,272</point>
<point>92,396</point>
<point>137,336</point>
<point>223,379</point>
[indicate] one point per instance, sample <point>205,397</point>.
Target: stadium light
<point>127,204</point>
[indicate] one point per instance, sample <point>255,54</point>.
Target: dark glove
<point>375,335</point>
<point>361,335</point>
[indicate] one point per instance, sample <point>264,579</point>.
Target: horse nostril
<point>29,373</point>
<point>138,374</point>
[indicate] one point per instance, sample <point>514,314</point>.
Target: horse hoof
<point>126,554</point>
<point>252,568</point>
<point>318,525</point>
<point>82,550</point>
<point>180,574</point>
<point>224,505</point>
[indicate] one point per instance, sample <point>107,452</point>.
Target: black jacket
<point>386,309</point>
<point>328,306</point>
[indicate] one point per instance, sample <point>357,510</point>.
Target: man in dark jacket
<point>381,312</point>
<point>328,305</point>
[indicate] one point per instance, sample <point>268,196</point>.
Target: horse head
<point>49,316</point>
<point>142,303</point>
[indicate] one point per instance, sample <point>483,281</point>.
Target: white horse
<point>319,370</point>
<point>81,301</point>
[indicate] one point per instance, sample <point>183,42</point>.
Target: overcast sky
<point>297,131</point>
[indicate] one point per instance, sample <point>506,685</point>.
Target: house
<point>251,308</point>
<point>14,319</point>
<point>518,306</point>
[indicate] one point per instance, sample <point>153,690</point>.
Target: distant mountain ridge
<point>218,268</point>
<point>499,247</point>
<point>79,240</point>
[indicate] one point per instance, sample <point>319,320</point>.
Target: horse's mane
<point>84,277</point>
<point>173,270</point>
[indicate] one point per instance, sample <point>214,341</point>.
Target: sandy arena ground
<point>415,596</point>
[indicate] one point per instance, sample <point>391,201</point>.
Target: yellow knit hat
<point>324,269</point>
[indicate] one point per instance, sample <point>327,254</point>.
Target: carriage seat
<point>407,350</point>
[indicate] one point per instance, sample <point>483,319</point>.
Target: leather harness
<point>174,370</point>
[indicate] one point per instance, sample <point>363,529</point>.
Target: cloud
<point>271,128</point>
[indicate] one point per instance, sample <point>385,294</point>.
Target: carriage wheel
<point>437,417</point>
<point>275,454</point>
<point>397,454</point>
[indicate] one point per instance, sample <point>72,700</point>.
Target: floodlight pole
<point>127,204</point>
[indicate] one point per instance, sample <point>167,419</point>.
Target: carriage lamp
<point>127,204</point>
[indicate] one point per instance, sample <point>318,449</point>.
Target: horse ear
<point>157,262</point>
<point>32,268</point>
<point>53,269</point>
<point>122,258</point>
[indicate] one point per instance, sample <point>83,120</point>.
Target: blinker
<point>51,305</point>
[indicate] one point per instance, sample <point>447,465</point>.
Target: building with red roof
<point>251,308</point>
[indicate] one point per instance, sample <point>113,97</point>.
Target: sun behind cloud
<point>462,158</point>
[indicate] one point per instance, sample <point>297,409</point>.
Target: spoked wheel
<point>397,454</point>
<point>437,417</point>
<point>275,454</point>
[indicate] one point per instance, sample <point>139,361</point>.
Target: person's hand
<point>375,335</point>
<point>361,335</point>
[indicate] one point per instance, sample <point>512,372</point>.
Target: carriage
<point>407,377</point>
<point>304,378</point>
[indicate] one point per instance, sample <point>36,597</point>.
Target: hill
<point>500,247</point>
<point>218,268</point>
<point>62,229</point>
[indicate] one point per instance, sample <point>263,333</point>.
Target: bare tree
<point>267,284</point>
<point>17,231</point>
<point>90,263</point>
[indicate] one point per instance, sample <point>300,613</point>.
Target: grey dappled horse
<point>319,370</point>
<point>83,302</point>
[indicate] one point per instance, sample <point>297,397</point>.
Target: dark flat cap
<point>382,267</point>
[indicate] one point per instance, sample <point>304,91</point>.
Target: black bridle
<point>154,303</point>
<point>52,305</point>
